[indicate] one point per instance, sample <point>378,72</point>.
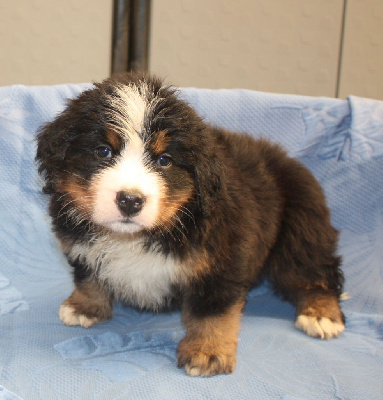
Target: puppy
<point>154,207</point>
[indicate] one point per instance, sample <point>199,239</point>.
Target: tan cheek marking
<point>171,204</point>
<point>79,196</point>
<point>210,344</point>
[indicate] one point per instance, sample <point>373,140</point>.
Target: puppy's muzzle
<point>130,203</point>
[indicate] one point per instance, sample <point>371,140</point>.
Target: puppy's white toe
<point>69,317</point>
<point>331,328</point>
<point>309,325</point>
<point>192,371</point>
<point>319,327</point>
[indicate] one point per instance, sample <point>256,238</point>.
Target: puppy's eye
<point>164,160</point>
<point>103,152</point>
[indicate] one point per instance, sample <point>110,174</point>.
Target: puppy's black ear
<point>209,178</point>
<point>51,149</point>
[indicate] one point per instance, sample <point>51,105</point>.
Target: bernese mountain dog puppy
<point>153,207</point>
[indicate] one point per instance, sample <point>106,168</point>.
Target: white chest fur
<point>142,278</point>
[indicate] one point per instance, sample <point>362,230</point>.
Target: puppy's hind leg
<point>319,314</point>
<point>305,271</point>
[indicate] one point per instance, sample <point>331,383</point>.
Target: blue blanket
<point>133,355</point>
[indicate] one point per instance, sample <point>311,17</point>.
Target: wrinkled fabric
<point>133,355</point>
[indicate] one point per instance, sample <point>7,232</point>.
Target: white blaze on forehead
<point>128,107</point>
<point>130,174</point>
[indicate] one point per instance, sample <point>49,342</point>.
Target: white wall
<point>362,65</point>
<point>285,46</point>
<point>288,46</point>
<point>54,41</point>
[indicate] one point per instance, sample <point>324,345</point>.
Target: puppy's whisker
<point>177,225</point>
<point>187,212</point>
<point>183,210</point>
<point>76,175</point>
<point>76,214</point>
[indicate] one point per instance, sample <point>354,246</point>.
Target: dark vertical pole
<point>139,38</point>
<point>340,59</point>
<point>120,36</point>
<point>131,30</point>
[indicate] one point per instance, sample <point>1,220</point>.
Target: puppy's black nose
<point>130,203</point>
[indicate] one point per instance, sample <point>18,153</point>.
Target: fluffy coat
<point>155,207</point>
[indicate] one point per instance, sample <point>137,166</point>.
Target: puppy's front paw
<point>201,359</point>
<point>86,306</point>
<point>70,317</point>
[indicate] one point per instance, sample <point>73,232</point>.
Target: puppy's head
<point>128,156</point>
